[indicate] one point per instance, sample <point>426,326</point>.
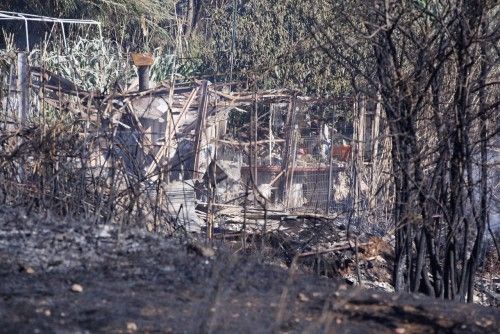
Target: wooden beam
<point>260,142</point>
<point>200,124</point>
<point>343,246</point>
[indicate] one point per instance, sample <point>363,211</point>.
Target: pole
<point>330,172</point>
<point>256,120</point>
<point>22,87</point>
<point>200,124</point>
<point>143,73</point>
<point>271,112</point>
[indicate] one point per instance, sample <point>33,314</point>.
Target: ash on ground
<point>70,276</point>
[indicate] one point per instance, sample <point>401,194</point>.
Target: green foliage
<point>268,41</point>
<point>162,67</point>
<point>272,43</point>
<point>91,64</point>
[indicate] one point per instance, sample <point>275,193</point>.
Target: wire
<point>7,16</point>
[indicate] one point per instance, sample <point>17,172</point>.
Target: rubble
<point>76,288</point>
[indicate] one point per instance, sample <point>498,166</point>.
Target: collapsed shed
<point>275,149</point>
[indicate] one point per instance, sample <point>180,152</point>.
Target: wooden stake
<point>22,86</point>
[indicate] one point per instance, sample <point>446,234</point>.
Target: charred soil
<point>61,276</point>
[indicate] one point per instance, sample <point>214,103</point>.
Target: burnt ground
<point>135,281</point>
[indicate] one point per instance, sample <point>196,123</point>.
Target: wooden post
<point>355,153</point>
<point>376,130</point>
<point>360,158</point>
<point>287,148</point>
<point>255,149</point>
<point>212,183</point>
<point>294,134</point>
<point>169,132</point>
<point>294,162</point>
<point>271,113</point>
<point>22,87</point>
<point>330,171</point>
<point>200,124</point>
<point>376,166</point>
<point>361,130</point>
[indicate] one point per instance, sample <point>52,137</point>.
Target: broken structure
<point>205,149</point>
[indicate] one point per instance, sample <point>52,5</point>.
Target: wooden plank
<point>186,107</point>
<point>142,59</point>
<point>343,246</point>
<point>260,142</point>
<point>200,124</point>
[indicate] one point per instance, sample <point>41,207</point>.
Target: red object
<point>341,152</point>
